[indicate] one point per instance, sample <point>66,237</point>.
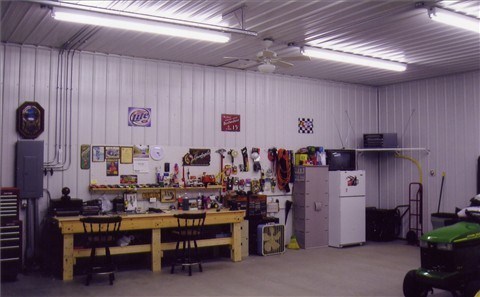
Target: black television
<point>341,160</point>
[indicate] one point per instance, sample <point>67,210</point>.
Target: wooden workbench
<point>69,226</point>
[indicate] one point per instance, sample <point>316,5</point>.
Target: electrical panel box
<point>29,168</point>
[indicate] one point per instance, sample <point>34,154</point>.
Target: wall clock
<point>30,120</point>
<point>157,153</point>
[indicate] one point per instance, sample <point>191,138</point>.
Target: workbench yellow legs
<point>236,250</point>
<point>156,251</point>
<point>68,259</point>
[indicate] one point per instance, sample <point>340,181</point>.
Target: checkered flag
<point>305,126</point>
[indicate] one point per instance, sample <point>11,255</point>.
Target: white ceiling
<point>394,30</point>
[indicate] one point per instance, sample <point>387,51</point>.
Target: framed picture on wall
<point>167,196</point>
<point>141,151</point>
<point>126,155</point>
<point>98,154</point>
<point>112,167</point>
<point>112,152</point>
<point>85,156</point>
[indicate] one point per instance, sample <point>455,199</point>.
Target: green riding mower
<point>450,259</point>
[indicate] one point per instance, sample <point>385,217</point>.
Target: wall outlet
<point>153,200</point>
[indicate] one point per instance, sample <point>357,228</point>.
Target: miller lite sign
<point>139,117</point>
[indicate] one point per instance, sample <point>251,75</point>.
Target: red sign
<point>231,122</point>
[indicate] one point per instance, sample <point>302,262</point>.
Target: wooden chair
<point>101,232</point>
<point>189,230</point>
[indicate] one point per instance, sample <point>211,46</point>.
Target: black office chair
<point>101,232</point>
<point>189,229</point>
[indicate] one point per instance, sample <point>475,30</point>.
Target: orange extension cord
<point>284,170</point>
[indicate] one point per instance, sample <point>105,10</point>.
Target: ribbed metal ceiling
<point>394,30</point>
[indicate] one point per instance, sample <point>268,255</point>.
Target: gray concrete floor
<point>375,269</point>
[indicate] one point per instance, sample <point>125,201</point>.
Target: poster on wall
<point>140,166</point>
<point>112,167</point>
<point>98,153</point>
<point>85,156</point>
<point>131,202</point>
<point>112,152</point>
<point>141,151</point>
<point>128,179</point>
<point>197,157</point>
<point>126,155</point>
<point>139,117</point>
<point>305,126</point>
<point>231,122</point>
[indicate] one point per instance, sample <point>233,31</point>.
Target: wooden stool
<point>189,229</point>
<point>102,232</point>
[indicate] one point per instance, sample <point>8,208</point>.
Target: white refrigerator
<point>346,222</point>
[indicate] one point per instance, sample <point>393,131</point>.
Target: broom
<point>293,244</point>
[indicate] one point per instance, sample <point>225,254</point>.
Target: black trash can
<point>443,219</point>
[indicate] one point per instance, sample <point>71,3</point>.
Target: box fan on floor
<point>270,239</point>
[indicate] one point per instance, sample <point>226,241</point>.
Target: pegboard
<point>174,155</point>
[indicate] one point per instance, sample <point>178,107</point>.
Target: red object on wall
<point>231,122</point>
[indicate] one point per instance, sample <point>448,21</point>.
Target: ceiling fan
<point>268,60</point>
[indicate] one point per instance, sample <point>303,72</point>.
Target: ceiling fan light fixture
<point>343,57</point>
<point>454,19</point>
<point>137,24</point>
<point>266,68</point>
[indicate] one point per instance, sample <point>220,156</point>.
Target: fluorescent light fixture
<point>134,24</point>
<point>454,19</point>
<point>325,54</point>
<point>266,68</point>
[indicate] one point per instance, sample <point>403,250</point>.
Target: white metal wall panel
<point>126,97</point>
<point>175,104</point>
<point>209,108</point>
<point>11,83</point>
<point>138,98</point>
<point>240,106</point>
<point>197,105</point>
<point>219,104</point>
<point>186,103</point>
<point>112,99</point>
<point>446,122</point>
<point>163,103</point>
<point>2,110</point>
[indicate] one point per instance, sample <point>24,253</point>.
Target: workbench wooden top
<point>135,221</point>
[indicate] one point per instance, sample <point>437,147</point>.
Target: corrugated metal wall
<point>186,101</point>
<point>441,114</point>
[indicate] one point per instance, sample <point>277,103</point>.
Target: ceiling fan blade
<point>281,63</point>
<point>240,59</point>
<point>296,58</point>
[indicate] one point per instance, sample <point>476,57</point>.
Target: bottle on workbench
<point>199,201</point>
<point>180,203</point>
<point>186,202</point>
